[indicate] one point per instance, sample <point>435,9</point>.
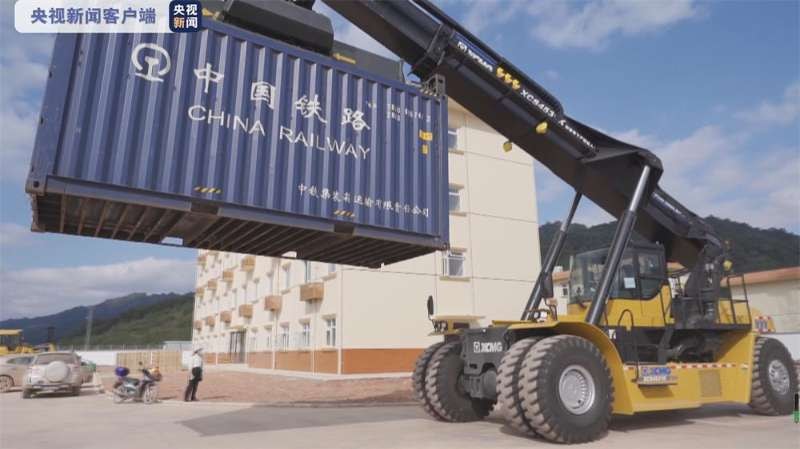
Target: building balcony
<point>246,311</point>
<point>248,263</point>
<point>210,321</point>
<point>273,303</point>
<point>198,324</point>
<point>227,276</point>
<point>212,285</point>
<point>312,291</point>
<point>225,316</point>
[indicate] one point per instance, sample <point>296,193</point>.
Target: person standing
<point>196,376</point>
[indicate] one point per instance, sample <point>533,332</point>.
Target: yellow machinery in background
<point>13,342</point>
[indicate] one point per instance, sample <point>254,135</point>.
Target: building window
<point>330,332</point>
<point>452,138</point>
<point>283,338</point>
<point>287,276</point>
<point>455,199</point>
<point>307,275</point>
<point>269,284</point>
<point>331,268</point>
<point>268,339</point>
<point>564,291</point>
<point>305,335</point>
<point>453,263</point>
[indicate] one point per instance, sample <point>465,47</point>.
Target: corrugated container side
<point>229,140</point>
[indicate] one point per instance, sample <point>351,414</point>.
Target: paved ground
<point>221,385</point>
<point>93,421</point>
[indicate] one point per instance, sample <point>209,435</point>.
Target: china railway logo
<point>154,67</point>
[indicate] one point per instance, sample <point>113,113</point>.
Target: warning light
<point>507,146</point>
<point>541,128</point>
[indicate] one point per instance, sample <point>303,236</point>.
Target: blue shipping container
<point>229,140</point>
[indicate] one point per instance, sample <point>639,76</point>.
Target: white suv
<point>50,372</point>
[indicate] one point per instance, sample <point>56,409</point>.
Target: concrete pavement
<point>93,421</point>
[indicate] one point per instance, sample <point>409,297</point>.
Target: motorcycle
<point>144,389</point>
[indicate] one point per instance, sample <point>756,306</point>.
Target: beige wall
<point>780,300</point>
<point>380,313</point>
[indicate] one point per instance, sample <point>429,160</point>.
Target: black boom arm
<point>597,166</point>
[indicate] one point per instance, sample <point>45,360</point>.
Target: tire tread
<point>760,400</point>
<point>418,379</point>
<point>539,414</point>
<point>508,385</point>
<point>438,399</point>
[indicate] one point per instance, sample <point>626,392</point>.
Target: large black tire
<point>444,390</point>
<point>418,379</point>
<point>774,378</point>
<point>26,393</point>
<point>576,416</point>
<point>508,385</point>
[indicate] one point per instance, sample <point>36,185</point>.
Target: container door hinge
<point>434,86</point>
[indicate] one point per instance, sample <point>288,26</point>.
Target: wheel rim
<point>778,377</point>
<point>5,384</point>
<point>576,389</point>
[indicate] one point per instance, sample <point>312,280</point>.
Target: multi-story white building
<point>295,315</point>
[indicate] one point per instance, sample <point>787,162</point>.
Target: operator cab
<point>10,339</point>
<point>641,273</point>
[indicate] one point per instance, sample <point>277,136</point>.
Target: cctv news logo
<point>185,16</point>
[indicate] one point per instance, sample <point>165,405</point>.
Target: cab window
<point>625,283</point>
<point>639,276</point>
<point>651,273</point>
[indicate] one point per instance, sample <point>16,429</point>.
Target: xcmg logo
<point>482,347</point>
<point>475,56</point>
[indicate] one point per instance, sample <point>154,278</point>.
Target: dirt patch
<point>233,386</point>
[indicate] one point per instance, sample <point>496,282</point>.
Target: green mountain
<point>71,321</point>
<point>752,249</point>
<point>170,319</point>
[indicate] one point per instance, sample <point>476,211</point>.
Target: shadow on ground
<point>657,420</point>
<point>672,418</point>
<point>270,418</point>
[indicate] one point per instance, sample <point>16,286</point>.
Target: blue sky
<point>713,88</point>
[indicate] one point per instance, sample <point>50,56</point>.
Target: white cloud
<point>636,137</point>
<point>712,172</point>
<point>24,61</point>
<point>783,112</point>
<point>591,25</point>
<point>485,14</point>
<point>552,75</point>
<point>348,33</point>
<point>33,292</point>
<point>14,235</point>
<point>549,187</point>
<point>716,173</point>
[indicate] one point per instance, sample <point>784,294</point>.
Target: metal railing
<point>153,347</point>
